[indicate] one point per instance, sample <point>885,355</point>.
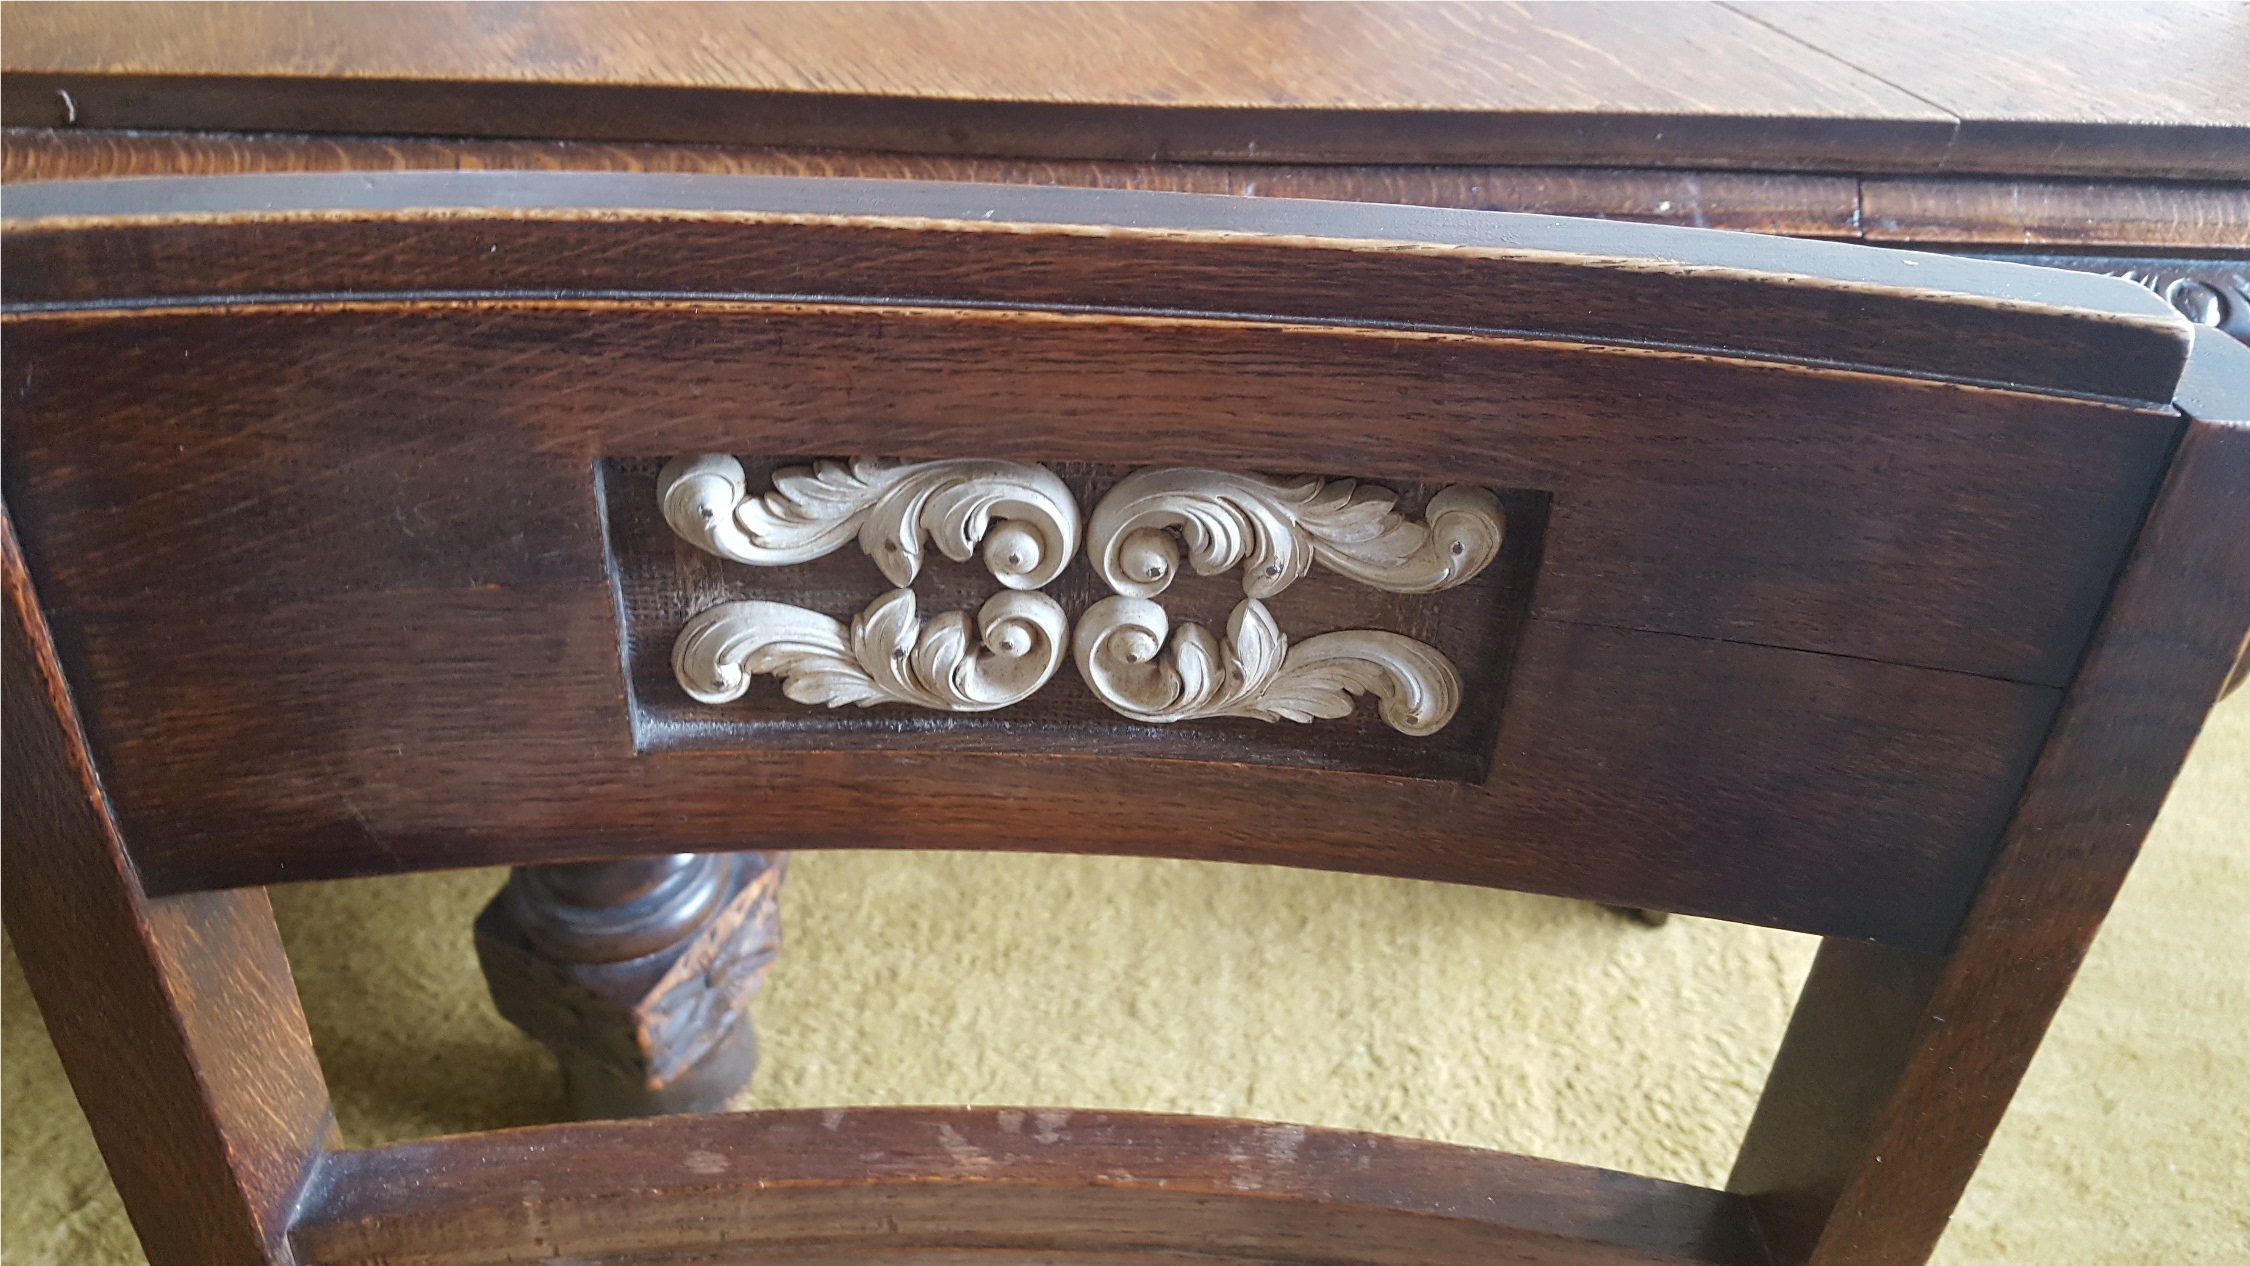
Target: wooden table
<point>2105,137</point>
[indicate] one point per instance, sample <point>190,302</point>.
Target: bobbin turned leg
<point>635,974</point>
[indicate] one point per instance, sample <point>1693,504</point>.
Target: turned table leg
<point>635,974</point>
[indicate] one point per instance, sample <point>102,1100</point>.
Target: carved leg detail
<point>635,974</point>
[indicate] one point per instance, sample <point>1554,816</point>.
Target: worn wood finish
<point>1799,631</point>
<point>1959,213</point>
<point>175,1017</point>
<point>335,236</point>
<point>2214,293</point>
<point>1708,86</point>
<point>1860,1148</point>
<point>2056,216</point>
<point>2149,217</point>
<point>1794,204</point>
<point>932,1185</point>
<point>409,652</point>
<point>635,973</point>
<point>448,673</point>
<point>1972,564</point>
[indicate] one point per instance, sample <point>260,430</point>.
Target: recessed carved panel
<point>1204,615</point>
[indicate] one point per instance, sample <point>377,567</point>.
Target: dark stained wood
<point>372,236</point>
<point>1850,1042</point>
<point>436,682</point>
<point>1965,557</point>
<point>175,1017</point>
<point>999,1185</point>
<point>2208,292</point>
<point>396,732</point>
<point>2005,489</point>
<point>2051,215</point>
<point>1859,1157</point>
<point>1798,205</point>
<point>635,973</point>
<point>315,504</point>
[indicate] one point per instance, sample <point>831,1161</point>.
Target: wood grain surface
<point>2078,215</point>
<point>312,500</point>
<point>1340,56</point>
<point>175,1017</point>
<point>370,538</point>
<point>1897,1067</point>
<point>1696,85</point>
<point>2214,292</point>
<point>2071,62</point>
<point>2158,216</point>
<point>1821,614</point>
<point>1798,205</point>
<point>1006,1185</point>
<point>2053,90</point>
<point>354,235</point>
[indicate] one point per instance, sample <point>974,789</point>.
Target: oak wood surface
<point>2146,62</point>
<point>1438,82</point>
<point>522,396</point>
<point>405,573</point>
<point>1696,85</point>
<point>2213,292</point>
<point>389,664</point>
<point>985,1185</point>
<point>380,648</point>
<point>1858,1156</point>
<point>1796,204</point>
<point>2155,216</point>
<point>175,1016</point>
<point>339,235</point>
<point>2077,215</point>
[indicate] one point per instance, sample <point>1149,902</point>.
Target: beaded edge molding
<point>1125,646</point>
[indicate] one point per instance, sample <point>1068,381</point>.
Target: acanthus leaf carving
<point>1025,517</point>
<point>1137,663</point>
<point>886,655</point>
<point>1276,529</point>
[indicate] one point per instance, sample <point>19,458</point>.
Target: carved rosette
<point>885,656</point>
<point>1276,529</point>
<point>1128,652</point>
<point>892,507</point>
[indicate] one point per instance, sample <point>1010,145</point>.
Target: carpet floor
<point>1475,1017</point>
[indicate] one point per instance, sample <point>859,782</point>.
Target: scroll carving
<point>892,507</point>
<point>1132,658</point>
<point>886,655</point>
<point>1126,647</point>
<point>1277,528</point>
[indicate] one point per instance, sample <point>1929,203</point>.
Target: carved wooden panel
<point>1281,601</point>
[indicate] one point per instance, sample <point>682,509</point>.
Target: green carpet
<point>1475,1017</point>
